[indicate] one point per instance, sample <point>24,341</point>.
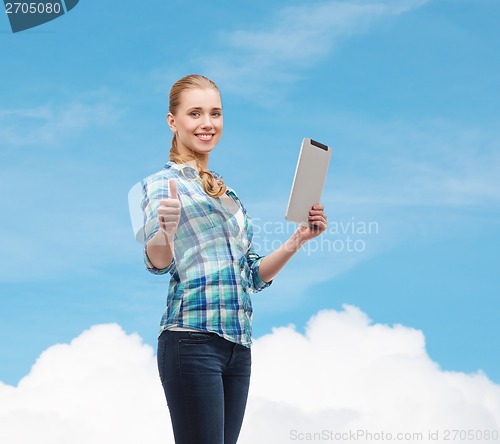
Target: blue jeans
<point>206,380</point>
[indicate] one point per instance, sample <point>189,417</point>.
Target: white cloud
<point>345,373</point>
<point>101,388</point>
<point>290,41</point>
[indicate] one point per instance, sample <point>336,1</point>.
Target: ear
<point>171,122</point>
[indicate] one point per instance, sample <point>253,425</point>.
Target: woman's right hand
<point>169,211</point>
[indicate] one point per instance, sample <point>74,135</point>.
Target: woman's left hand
<point>317,223</point>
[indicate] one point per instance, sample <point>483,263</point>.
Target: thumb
<point>172,186</point>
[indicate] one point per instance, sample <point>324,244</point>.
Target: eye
<point>194,113</point>
<point>216,114</point>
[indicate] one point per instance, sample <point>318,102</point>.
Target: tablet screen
<point>309,180</point>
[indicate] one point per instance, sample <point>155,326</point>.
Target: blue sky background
<point>406,93</point>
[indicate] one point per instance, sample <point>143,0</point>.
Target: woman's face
<point>198,121</point>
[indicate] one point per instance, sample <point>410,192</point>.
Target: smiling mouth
<point>205,136</point>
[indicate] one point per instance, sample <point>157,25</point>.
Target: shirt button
<point>244,289</point>
<point>241,268</point>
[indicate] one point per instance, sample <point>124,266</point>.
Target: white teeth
<point>204,136</point>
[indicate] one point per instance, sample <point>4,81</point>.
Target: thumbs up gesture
<point>169,211</point>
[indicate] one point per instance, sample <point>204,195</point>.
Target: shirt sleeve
<point>152,269</point>
<point>253,260</point>
<point>152,192</point>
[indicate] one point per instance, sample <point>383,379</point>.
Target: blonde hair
<point>213,186</point>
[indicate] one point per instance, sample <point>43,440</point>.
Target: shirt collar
<point>188,170</point>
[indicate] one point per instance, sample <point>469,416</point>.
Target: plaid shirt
<point>214,268</point>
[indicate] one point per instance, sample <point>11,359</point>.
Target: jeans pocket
<point>197,337</point>
<point>160,357</point>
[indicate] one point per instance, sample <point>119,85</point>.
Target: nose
<point>207,121</point>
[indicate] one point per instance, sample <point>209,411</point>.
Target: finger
<point>318,208</point>
<point>317,220</point>
<point>318,217</point>
<point>318,226</point>
<point>172,186</point>
<point>169,226</point>
<point>169,204</point>
<point>316,212</point>
<point>169,218</point>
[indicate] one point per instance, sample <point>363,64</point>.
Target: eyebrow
<point>199,108</point>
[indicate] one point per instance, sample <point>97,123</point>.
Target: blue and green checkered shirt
<point>215,268</point>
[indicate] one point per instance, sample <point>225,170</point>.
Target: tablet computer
<point>310,175</point>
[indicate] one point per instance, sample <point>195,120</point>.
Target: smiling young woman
<point>195,118</point>
<point>198,230</point>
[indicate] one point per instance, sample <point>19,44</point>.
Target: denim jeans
<point>206,380</point>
